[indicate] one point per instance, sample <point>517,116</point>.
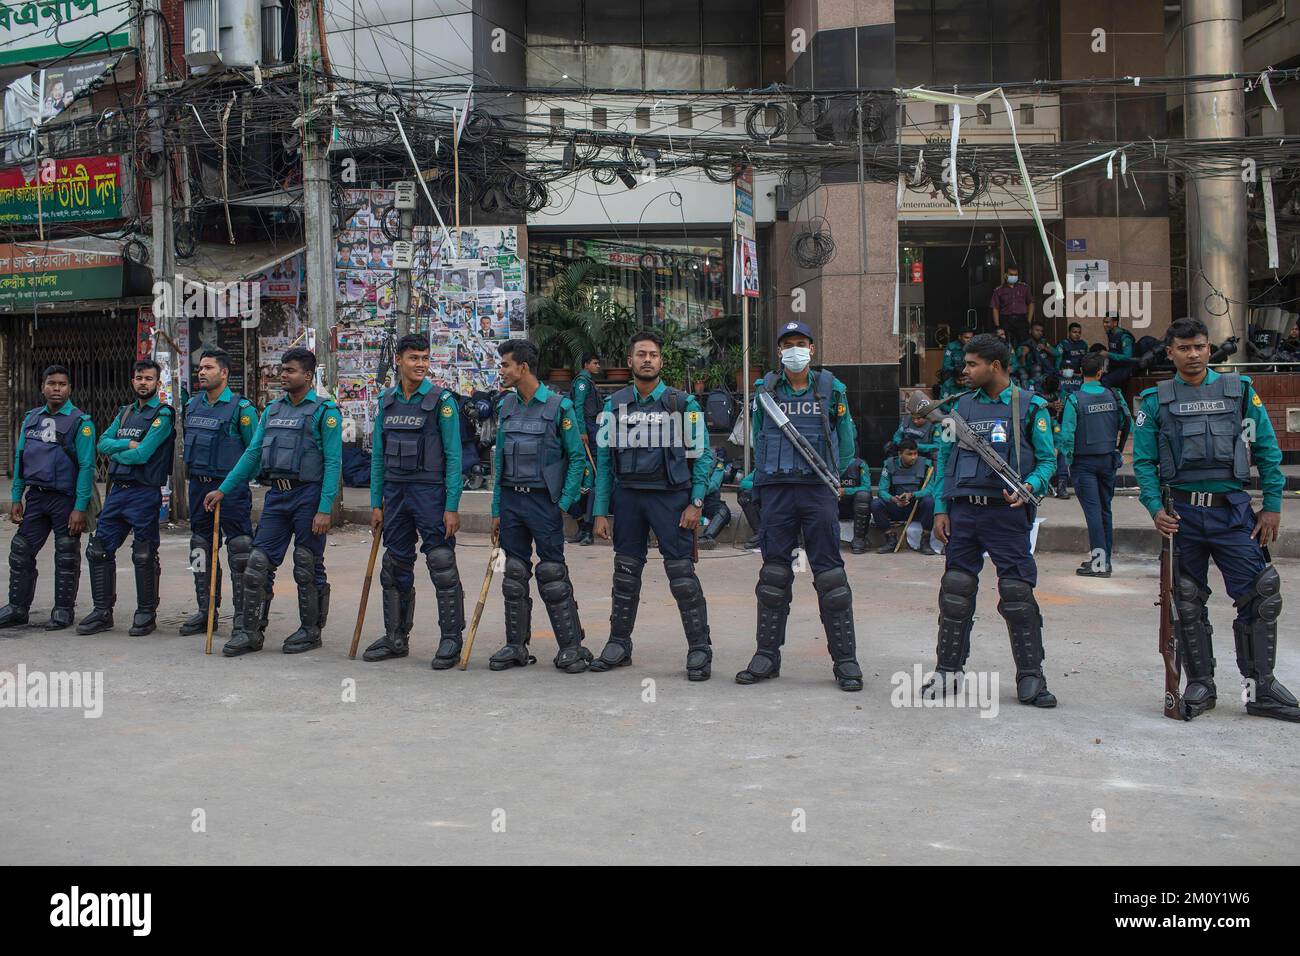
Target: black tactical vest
<point>49,452</point>
<point>903,479</point>
<point>1200,431</point>
<point>648,441</point>
<point>532,455</point>
<point>776,460</point>
<point>412,439</point>
<point>213,445</point>
<point>1097,422</point>
<point>133,424</point>
<point>967,474</point>
<point>289,449</point>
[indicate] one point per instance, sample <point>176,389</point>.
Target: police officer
<point>794,499</point>
<point>1049,389</point>
<point>139,445</point>
<point>974,514</point>
<point>538,464</point>
<point>855,504</point>
<point>1094,428</point>
<point>921,431</point>
<point>716,515</point>
<point>55,464</point>
<point>415,486</point>
<point>1037,357</point>
<point>953,366</point>
<point>747,499</point>
<point>586,405</point>
<point>1070,352</point>
<point>905,481</point>
<point>1119,346</point>
<point>654,464</point>
<point>297,450</point>
<point>219,425</point>
<point>1194,437</point>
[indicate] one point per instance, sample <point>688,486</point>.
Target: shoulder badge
<point>1141,418</point>
<point>157,422</point>
<point>565,423</point>
<point>331,421</point>
<point>85,430</point>
<point>446,411</point>
<point>1254,399</point>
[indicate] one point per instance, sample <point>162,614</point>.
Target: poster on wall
<point>466,303</point>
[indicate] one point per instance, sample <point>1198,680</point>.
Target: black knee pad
<point>514,583</point>
<point>774,581</point>
<point>862,504</point>
<point>389,569</point>
<point>682,580</point>
<point>442,568</point>
<point>1017,605</point>
<point>95,551</point>
<point>833,590</point>
<point>259,563</point>
<point>1263,600</point>
<point>957,591</point>
<point>238,548</point>
<point>553,582</point>
<point>21,557</point>
<point>67,551</point>
<point>1190,598</point>
<point>304,566</point>
<point>627,574</point>
<point>200,542</point>
<point>143,553</point>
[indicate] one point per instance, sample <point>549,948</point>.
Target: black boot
<point>148,574</point>
<point>1025,628</point>
<point>774,591</point>
<point>749,508</point>
<point>451,606</point>
<point>685,586</point>
<point>1255,631</point>
<point>251,633</point>
<point>557,594</point>
<point>394,643</point>
<point>624,601</point>
<point>957,591</point>
<point>201,553</point>
<point>519,613</point>
<point>860,528</point>
<point>103,589</point>
<point>585,538</point>
<point>891,541</point>
<point>237,550</point>
<point>22,583</point>
<point>310,600</point>
<point>1196,642</point>
<point>67,580</point>
<point>926,547</point>
<point>835,600</point>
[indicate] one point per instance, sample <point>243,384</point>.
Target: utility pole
<point>163,261</point>
<point>404,252</point>
<point>1216,200</point>
<point>318,209</point>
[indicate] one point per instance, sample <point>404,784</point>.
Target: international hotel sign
<point>82,189</point>
<point>35,273</point>
<point>47,29</point>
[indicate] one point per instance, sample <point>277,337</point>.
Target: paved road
<point>262,760</point>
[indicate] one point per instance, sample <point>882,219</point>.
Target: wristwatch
<point>697,502</point>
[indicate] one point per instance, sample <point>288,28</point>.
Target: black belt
<point>287,484</point>
<point>53,491</point>
<point>983,501</point>
<point>523,489</point>
<point>1202,499</point>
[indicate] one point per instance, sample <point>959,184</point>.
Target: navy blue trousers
<point>1094,483</point>
<point>1221,533</point>
<point>129,509</point>
<point>787,509</point>
<point>236,510</point>
<point>886,511</point>
<point>285,515</point>
<point>531,519</point>
<point>44,511</point>
<point>1000,530</point>
<point>637,513</point>
<point>412,508</point>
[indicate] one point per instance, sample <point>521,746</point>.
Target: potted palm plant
<point>562,321</point>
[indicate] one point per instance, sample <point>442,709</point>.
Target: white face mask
<point>1012,280</point>
<point>796,358</point>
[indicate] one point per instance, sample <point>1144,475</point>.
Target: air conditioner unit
<point>222,34</point>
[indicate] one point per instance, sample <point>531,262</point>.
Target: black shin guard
<point>1195,638</point>
<point>103,588</point>
<point>148,573</point>
<point>718,520</point>
<point>1255,631</point>
<point>557,593</point>
<point>861,521</point>
<point>394,642</point>
<point>835,603</point>
<point>451,605</point>
<point>310,599</point>
<point>957,590</point>
<point>774,591</point>
<point>67,579</point>
<point>691,605</point>
<point>519,613</point>
<point>22,582</point>
<point>1025,628</point>
<point>250,634</point>
<point>201,560</point>
<point>237,551</point>
<point>625,599</point>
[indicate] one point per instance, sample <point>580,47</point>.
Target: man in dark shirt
<point>1012,306</point>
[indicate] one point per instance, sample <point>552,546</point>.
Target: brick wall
<point>1279,392</point>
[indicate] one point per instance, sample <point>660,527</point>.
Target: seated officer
<point>716,514</point>
<point>904,482</point>
<point>921,430</point>
<point>747,498</point>
<point>856,503</point>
